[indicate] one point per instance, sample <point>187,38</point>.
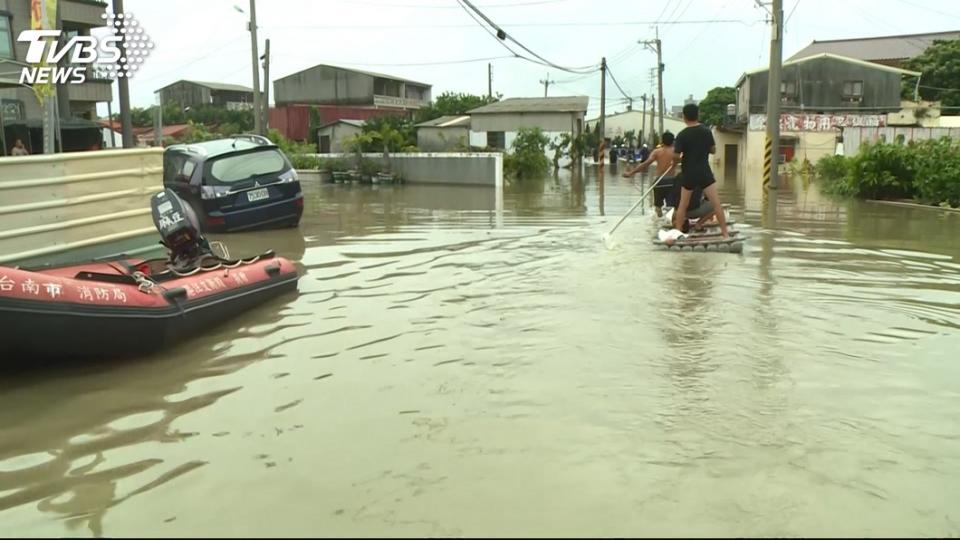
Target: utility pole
<point>603,102</point>
<point>126,121</point>
<point>653,115</point>
<point>771,155</point>
<point>63,90</point>
<point>158,121</point>
<point>643,119</point>
<point>660,79</point>
<point>546,84</point>
<point>655,45</point>
<point>266,87</point>
<point>257,117</point>
<point>490,81</point>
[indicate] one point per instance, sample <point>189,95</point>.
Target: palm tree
<point>388,137</point>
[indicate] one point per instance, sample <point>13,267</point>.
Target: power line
<point>428,6</point>
<point>662,11</point>
<point>795,4</point>
<point>744,22</point>
<point>439,63</point>
<point>951,15</point>
<point>702,30</point>
<point>181,66</point>
<point>614,79</point>
<point>502,36</point>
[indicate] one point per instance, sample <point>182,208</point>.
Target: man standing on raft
<point>692,149</point>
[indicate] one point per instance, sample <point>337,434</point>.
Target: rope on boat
<point>218,266</point>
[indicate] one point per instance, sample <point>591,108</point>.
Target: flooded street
<point>448,371</point>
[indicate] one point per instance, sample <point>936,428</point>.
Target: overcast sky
<point>208,40</point>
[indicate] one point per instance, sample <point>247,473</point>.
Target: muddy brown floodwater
<point>448,371</point>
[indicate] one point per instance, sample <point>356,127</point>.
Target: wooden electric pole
<point>771,155</point>
<point>257,117</point>
<point>266,87</point>
<point>126,121</point>
<point>490,81</point>
<point>603,99</point>
<point>546,84</point>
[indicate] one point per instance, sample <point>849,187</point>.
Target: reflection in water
<point>459,364</point>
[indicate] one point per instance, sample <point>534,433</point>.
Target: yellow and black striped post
<point>767,164</point>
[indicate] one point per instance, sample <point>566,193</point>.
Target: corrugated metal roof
<point>446,121</point>
<point>876,48</point>
<point>879,67</point>
<point>536,105</point>
<point>370,73</point>
<point>213,86</point>
<point>349,122</point>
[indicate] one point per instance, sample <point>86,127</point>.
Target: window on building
<point>12,110</point>
<point>6,37</point>
<point>386,87</point>
<point>853,90</point>
<point>788,92</point>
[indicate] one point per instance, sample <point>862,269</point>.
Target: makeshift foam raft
<point>676,239</point>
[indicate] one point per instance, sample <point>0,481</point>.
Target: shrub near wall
<point>938,172</point>
<point>924,170</point>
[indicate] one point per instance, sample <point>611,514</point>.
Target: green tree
<point>389,139</point>
<point>940,65</point>
<point>453,104</point>
<point>528,159</point>
<point>713,108</point>
<point>403,126</point>
<point>560,147</point>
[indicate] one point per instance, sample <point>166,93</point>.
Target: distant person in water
<point>664,157</point>
<point>692,150</point>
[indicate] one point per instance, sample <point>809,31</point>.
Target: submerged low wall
<point>95,202</point>
<point>465,168</point>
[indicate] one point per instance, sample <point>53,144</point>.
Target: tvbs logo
<point>80,51</point>
<point>119,54</point>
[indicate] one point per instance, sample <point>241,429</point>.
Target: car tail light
<point>289,176</point>
<point>216,221</point>
<point>214,192</point>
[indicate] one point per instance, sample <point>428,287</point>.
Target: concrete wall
<point>467,168</point>
<point>814,145</point>
<point>51,205</point>
<point>437,139</point>
<point>723,139</point>
<point>853,139</point>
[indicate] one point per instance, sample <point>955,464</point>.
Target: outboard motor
<point>179,230</point>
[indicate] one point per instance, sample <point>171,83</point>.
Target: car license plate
<point>255,195</point>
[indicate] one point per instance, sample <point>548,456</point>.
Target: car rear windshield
<point>241,167</point>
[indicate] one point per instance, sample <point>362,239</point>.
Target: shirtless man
<point>693,148</point>
<point>664,156</point>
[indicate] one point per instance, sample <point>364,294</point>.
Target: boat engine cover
<point>177,223</point>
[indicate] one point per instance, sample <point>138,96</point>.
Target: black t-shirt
<point>694,143</point>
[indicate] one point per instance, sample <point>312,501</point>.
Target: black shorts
<point>662,192</point>
<point>693,182</point>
